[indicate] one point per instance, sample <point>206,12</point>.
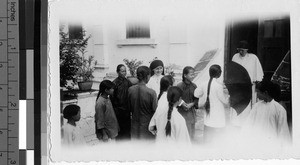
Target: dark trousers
<point>124,125</point>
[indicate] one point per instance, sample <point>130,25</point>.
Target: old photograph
<point>171,80</point>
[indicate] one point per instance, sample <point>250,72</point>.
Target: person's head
<point>106,87</point>
<point>72,112</point>
<point>165,83</point>
<point>267,90</point>
<point>157,68</point>
<point>174,98</point>
<point>243,48</point>
<point>188,73</point>
<point>215,71</point>
<point>121,70</point>
<point>143,74</point>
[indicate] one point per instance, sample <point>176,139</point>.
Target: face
<point>219,74</point>
<point>77,117</point>
<point>261,95</point>
<point>242,51</point>
<point>190,76</point>
<point>122,72</point>
<point>110,91</point>
<point>148,78</point>
<point>158,70</point>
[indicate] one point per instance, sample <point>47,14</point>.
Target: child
<point>106,123</point>
<point>170,124</point>
<point>157,72</point>
<point>187,110</point>
<point>267,119</point>
<point>71,133</point>
<point>212,98</point>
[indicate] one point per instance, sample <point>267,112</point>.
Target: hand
<point>189,105</point>
<point>105,138</point>
<point>153,130</point>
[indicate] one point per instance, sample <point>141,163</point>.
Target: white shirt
<point>154,83</point>
<point>216,117</point>
<point>72,135</point>
<point>251,63</point>
<point>179,132</point>
<point>267,121</point>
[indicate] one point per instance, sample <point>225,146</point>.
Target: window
<point>137,29</point>
<point>75,31</point>
<point>273,28</point>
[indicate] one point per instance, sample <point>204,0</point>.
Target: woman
<point>120,102</point>
<point>157,72</point>
<point>213,98</point>
<point>187,109</point>
<point>166,116</point>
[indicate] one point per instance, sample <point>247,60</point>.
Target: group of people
<point>156,110</point>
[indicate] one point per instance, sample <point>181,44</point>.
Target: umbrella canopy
<point>239,86</point>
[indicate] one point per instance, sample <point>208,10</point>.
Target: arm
<point>282,126</point>
<point>224,98</point>
<point>99,115</point>
<point>154,101</point>
<point>259,70</point>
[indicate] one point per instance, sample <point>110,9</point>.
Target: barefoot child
<point>71,133</point>
<point>106,123</point>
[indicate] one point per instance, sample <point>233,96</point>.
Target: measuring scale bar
<point>9,82</point>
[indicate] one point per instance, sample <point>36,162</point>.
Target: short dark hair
<point>243,44</point>
<point>142,72</point>
<point>119,67</point>
<point>214,71</point>
<point>273,89</point>
<point>70,111</point>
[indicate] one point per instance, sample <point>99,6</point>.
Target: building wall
<point>178,41</point>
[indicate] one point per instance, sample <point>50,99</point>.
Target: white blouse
<point>154,83</point>
<point>217,98</point>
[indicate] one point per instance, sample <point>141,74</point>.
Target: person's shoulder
<point>235,55</point>
<point>278,105</point>
<point>180,84</point>
<point>101,100</point>
<point>68,128</point>
<point>151,91</point>
<point>194,85</point>
<point>251,55</point>
<point>132,88</point>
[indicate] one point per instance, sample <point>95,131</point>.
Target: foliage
<point>86,68</point>
<point>71,53</point>
<point>132,65</point>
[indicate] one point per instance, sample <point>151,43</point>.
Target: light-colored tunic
<point>217,98</point>
<point>154,83</point>
<point>267,122</point>
<point>179,132</point>
<point>251,63</point>
<point>72,135</point>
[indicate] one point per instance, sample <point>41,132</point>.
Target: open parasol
<point>239,86</point>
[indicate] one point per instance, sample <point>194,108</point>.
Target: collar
<point>121,78</point>
<point>187,82</point>
<point>105,96</point>
<point>247,55</point>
